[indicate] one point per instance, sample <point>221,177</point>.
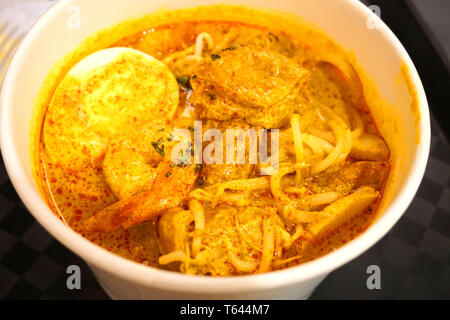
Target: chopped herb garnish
<point>201,181</point>
<point>191,128</point>
<point>168,174</point>
<point>172,165</point>
<point>159,147</point>
<point>233,47</point>
<point>273,37</point>
<point>215,57</point>
<point>185,81</point>
<point>184,156</point>
<point>198,167</point>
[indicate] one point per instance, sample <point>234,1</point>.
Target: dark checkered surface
<point>414,257</point>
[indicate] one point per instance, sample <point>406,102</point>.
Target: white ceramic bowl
<point>378,52</point>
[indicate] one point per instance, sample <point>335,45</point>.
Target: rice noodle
<point>241,265</point>
<point>238,263</point>
<point>346,69</point>
<point>318,145</point>
<point>297,137</point>
<point>199,43</point>
<point>193,54</point>
<point>324,135</point>
<point>281,263</point>
<point>268,247</point>
<point>358,124</point>
<point>299,231</point>
<point>240,185</point>
<point>298,143</point>
<point>278,251</point>
<point>301,216</point>
<point>343,65</point>
<point>199,217</point>
<point>275,182</point>
<point>342,148</point>
<point>321,199</point>
<point>176,256</point>
<point>296,190</point>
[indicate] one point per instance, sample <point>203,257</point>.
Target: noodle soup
<point>108,137</point>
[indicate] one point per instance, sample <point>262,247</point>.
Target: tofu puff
<point>259,86</point>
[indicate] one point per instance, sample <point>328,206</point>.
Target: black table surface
<point>414,257</point>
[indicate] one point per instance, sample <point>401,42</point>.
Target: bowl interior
<point>381,59</point>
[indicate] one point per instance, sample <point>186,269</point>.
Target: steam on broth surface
<point>108,138</point>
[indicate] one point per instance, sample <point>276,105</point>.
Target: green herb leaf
<point>215,57</point>
<point>198,167</point>
<point>233,47</point>
<point>273,37</point>
<point>185,81</point>
<point>159,147</point>
<point>201,181</point>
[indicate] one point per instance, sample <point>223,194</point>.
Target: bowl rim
<point>152,277</point>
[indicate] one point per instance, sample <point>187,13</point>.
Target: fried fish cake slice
<point>104,95</point>
<point>259,85</point>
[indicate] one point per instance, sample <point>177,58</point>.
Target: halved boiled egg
<point>104,95</point>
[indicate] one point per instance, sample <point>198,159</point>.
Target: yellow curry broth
<point>79,192</point>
